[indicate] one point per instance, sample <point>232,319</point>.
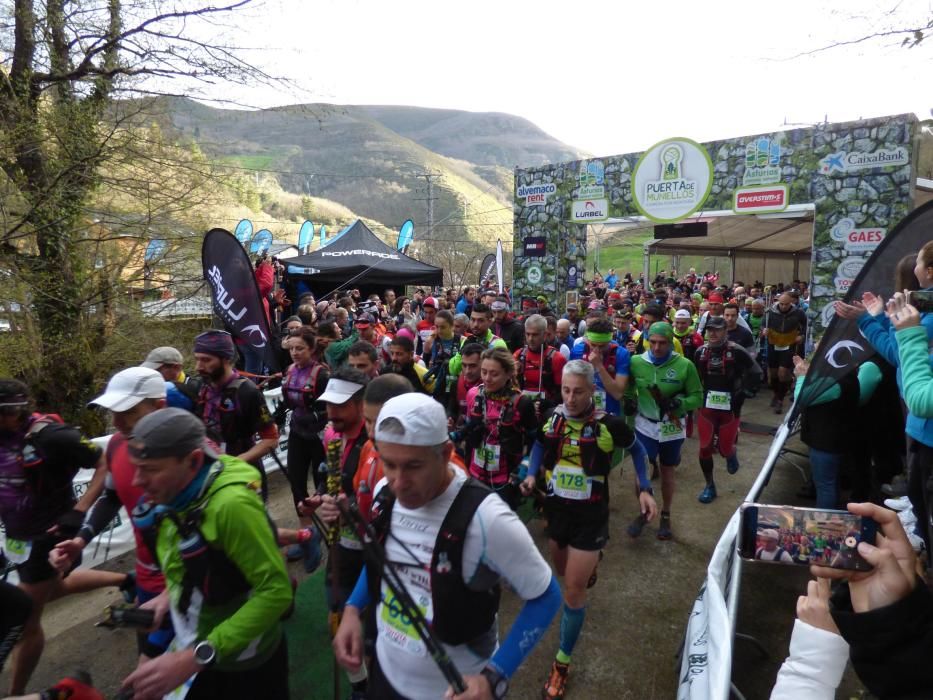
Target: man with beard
<point>233,410</point>
<point>506,327</point>
<point>480,321</point>
<point>470,376</point>
<point>402,361</point>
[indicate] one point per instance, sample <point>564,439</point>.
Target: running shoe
<point>664,528</point>
<point>732,464</point>
<point>707,495</point>
<point>556,683</point>
<point>636,526</point>
<point>594,577</point>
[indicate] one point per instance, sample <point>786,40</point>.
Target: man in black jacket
<point>506,327</point>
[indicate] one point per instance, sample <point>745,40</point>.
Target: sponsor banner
<point>759,200</point>
<point>857,240</point>
<point>235,295</point>
<point>534,275</point>
<point>535,246</point>
<point>584,211</point>
<point>762,162</point>
<point>533,195</point>
<point>672,180</point>
<point>487,268</point>
<point>358,251</point>
<point>405,234</point>
<point>847,272</point>
<point>572,277</point>
<point>843,348</point>
<point>591,180</point>
<point>844,162</point>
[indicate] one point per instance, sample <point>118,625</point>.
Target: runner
<point>431,505</point>
<point>539,365</point>
<point>302,386</point>
<point>471,358</point>
<point>785,328</point>
<point>130,395</point>
<point>439,349</point>
<point>234,411</point>
<point>576,453</point>
<point>610,361</point>
<point>402,362</point>
<point>480,320</point>
<point>667,386</point>
<point>722,366</point>
<point>500,426</point>
<point>226,584</point>
<point>39,457</point>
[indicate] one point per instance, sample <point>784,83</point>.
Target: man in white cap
<point>130,395</point>
<point>436,524</point>
<point>769,550</point>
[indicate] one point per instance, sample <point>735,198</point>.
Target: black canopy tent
<point>357,259</point>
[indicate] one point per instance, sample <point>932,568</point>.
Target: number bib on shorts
<point>599,399</point>
<point>571,482</point>
<point>395,627</point>
<point>669,431</point>
<point>486,458</point>
<point>719,400</point>
<point>17,551</point>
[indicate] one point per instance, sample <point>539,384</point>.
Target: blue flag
<point>243,230</point>
<point>155,248</point>
<point>305,234</point>
<point>323,234</point>
<point>405,234</point>
<point>261,241</point>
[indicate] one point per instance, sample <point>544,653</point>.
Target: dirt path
<point>635,616</point>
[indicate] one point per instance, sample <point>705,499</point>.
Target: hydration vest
<point>509,432</point>
<point>309,392</point>
<point>42,477</point>
<point>718,367</point>
<point>594,461</point>
<point>609,360</point>
<point>460,613</point>
<point>236,436</point>
<point>546,370</point>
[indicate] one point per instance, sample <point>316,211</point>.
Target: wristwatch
<point>498,684</point>
<point>204,654</point>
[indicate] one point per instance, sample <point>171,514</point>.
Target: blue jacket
<point>881,334</point>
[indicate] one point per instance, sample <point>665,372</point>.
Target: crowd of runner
<point>417,427</point>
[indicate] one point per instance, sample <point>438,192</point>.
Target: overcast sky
<point>607,77</point>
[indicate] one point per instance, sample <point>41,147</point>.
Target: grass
<point>625,253</point>
<point>311,660</point>
<point>254,161</point>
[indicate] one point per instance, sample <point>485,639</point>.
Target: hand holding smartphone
<point>804,536</point>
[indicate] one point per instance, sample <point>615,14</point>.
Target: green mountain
<point>383,163</point>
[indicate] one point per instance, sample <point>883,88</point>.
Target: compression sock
<point>571,622</point>
<point>706,464</point>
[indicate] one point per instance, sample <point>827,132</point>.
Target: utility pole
<point>429,197</point>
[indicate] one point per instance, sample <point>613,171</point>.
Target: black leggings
<point>920,486</point>
<point>303,454</point>
<point>268,681</point>
<point>15,608</point>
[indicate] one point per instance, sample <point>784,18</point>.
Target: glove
<point>668,404</point>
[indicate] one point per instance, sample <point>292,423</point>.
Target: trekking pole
<point>393,579</point>
<point>332,536</point>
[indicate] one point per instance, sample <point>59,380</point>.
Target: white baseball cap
<point>769,534</point>
<point>682,313</point>
<point>412,419</point>
<point>127,388</point>
<point>339,391</point>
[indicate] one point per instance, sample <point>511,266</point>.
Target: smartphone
<point>804,536</point>
<point>921,300</point>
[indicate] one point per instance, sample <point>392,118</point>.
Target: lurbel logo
<point>586,210</point>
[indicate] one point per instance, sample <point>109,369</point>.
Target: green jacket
<point>456,362</point>
<point>913,349</point>
<point>676,377</point>
<point>338,351</point>
<point>246,629</point>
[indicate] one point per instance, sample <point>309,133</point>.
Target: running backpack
<point>546,369</point>
<point>460,613</point>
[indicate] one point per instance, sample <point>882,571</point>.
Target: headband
<point>598,337</point>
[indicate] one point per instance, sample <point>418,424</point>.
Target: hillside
<point>374,160</point>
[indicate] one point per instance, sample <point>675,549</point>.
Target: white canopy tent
<point>767,247</point>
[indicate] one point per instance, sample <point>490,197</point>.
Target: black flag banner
<point>235,294</point>
<point>487,268</point>
<point>843,348</point>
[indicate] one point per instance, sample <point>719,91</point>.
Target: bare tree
<point>63,63</point>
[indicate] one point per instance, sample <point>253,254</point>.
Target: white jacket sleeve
<point>814,668</point>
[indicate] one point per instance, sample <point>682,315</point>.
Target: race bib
<point>534,395</point>
<point>669,431</point>
<point>425,335</point>
<point>17,551</point>
<point>719,400</point>
<point>181,692</point>
<point>599,399</point>
<point>396,627</point>
<point>781,348</point>
<point>486,458</point>
<point>349,539</point>
<point>571,482</point>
